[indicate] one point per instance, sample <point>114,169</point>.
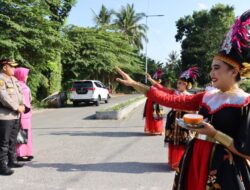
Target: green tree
<point>27,35</point>
<point>201,34</point>
<point>93,54</point>
<point>152,67</point>
<point>104,17</point>
<point>127,22</point>
<point>59,11</point>
<point>245,85</point>
<point>172,69</point>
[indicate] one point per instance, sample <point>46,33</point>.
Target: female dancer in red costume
<point>175,136</point>
<point>218,158</point>
<point>153,113</point>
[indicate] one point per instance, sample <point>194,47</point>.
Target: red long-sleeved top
<point>164,89</point>
<point>166,97</point>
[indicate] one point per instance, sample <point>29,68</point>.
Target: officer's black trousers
<point>8,136</point>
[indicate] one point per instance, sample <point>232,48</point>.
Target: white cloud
<point>202,6</point>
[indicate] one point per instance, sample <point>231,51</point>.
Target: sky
<point>161,30</point>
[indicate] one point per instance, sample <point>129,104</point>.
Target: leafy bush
<point>245,85</point>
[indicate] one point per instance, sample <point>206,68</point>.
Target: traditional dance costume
<point>153,114</point>
<point>208,163</point>
<point>175,136</point>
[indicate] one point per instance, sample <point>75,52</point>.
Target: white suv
<point>88,91</point>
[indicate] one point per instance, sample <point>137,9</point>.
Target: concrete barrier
<point>119,114</point>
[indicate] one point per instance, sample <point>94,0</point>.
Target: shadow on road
<point>101,134</point>
<point>114,167</point>
<point>89,117</point>
<point>92,104</point>
<point>91,127</point>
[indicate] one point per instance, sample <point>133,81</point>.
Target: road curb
<point>119,114</point>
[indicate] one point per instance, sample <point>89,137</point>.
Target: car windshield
<point>84,84</point>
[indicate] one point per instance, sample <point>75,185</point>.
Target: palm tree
<point>104,16</point>
<point>173,59</point>
<point>127,22</point>
<point>172,68</point>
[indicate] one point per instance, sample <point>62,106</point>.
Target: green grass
<point>122,105</point>
<point>39,105</point>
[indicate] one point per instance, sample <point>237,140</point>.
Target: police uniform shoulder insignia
<point>1,82</point>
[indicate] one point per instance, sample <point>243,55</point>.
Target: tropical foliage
<point>172,69</point>
<point>94,54</point>
<point>29,35</point>
<point>104,17</point>
<point>245,85</point>
<point>201,34</point>
<point>127,22</point>
<point>35,34</point>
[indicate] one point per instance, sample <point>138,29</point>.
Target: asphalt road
<point>75,152</point>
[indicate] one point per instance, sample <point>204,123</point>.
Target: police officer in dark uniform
<point>11,105</point>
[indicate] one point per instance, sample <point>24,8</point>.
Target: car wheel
<point>75,104</point>
<point>106,101</point>
<point>97,103</point>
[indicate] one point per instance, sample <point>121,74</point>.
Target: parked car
<point>88,91</point>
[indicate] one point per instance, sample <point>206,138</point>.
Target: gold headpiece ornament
<point>227,60</point>
<point>245,71</point>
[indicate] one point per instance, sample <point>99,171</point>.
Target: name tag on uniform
<point>9,85</point>
<point>10,88</point>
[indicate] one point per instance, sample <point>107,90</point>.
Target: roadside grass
<point>39,105</point>
<point>122,105</point>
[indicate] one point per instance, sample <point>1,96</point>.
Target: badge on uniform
<point>1,82</point>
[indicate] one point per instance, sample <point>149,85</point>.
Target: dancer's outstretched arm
<point>158,85</point>
<point>184,102</point>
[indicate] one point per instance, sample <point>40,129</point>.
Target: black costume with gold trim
<point>228,112</point>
